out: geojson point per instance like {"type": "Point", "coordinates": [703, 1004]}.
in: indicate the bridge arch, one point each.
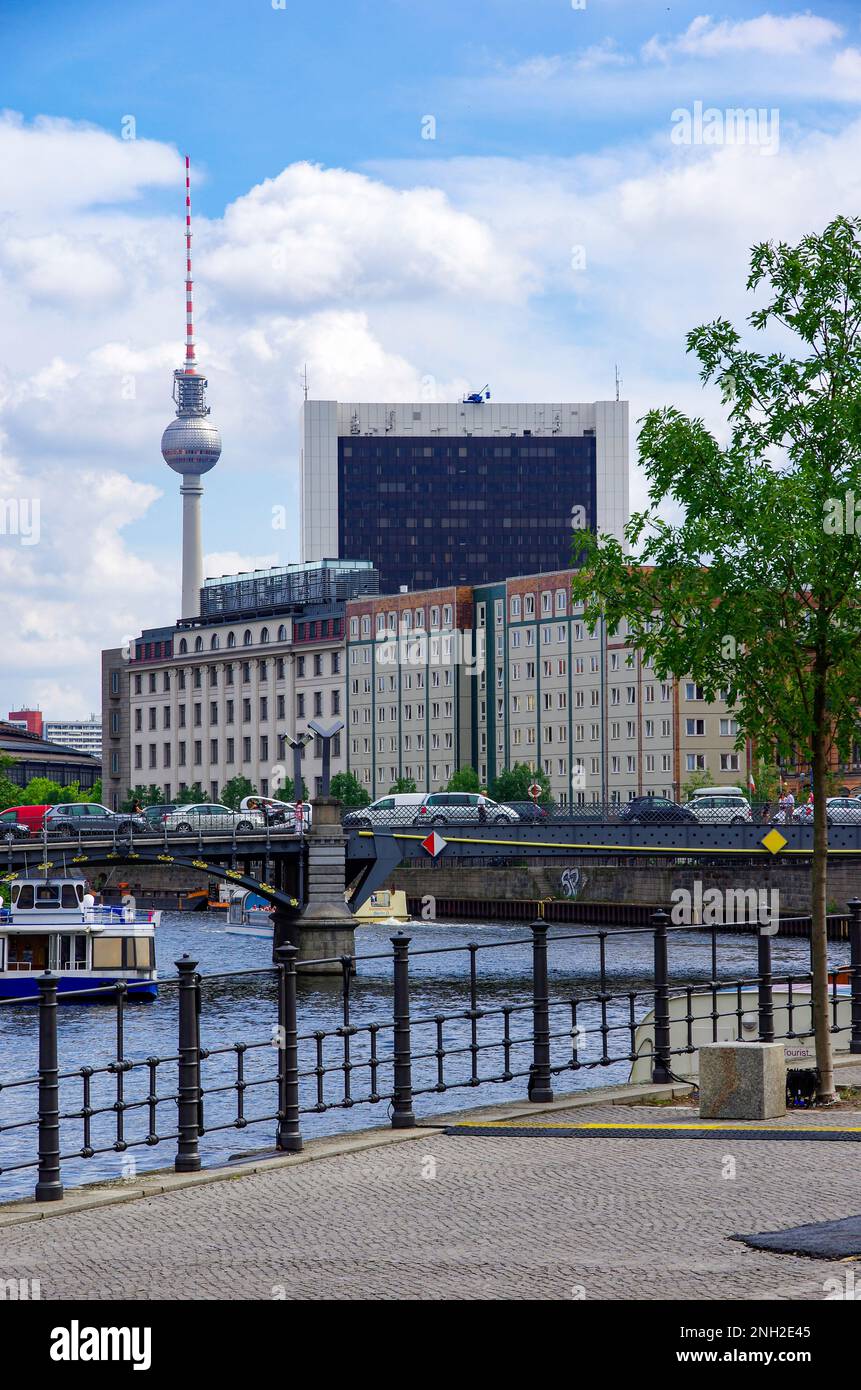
{"type": "Point", "coordinates": [68, 863]}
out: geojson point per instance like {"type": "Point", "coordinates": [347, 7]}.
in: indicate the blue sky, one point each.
{"type": "Point", "coordinates": [329, 231]}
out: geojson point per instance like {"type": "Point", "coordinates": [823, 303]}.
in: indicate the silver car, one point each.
{"type": "Point", "coordinates": [209, 816]}
{"type": "Point", "coordinates": [458, 808]}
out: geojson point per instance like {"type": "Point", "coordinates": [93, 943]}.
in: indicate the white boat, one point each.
{"type": "Point", "coordinates": [54, 924]}
{"type": "Point", "coordinates": [250, 915]}
{"type": "Point", "coordinates": [737, 1019]}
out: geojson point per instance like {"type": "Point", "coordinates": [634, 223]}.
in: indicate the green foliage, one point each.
{"type": "Point", "coordinates": [756, 590]}
{"type": "Point", "coordinates": [348, 789]}
{"type": "Point", "coordinates": [286, 793]}
{"type": "Point", "coordinates": [401, 786]}
{"type": "Point", "coordinates": [512, 784]}
{"type": "Point", "coordinates": [95, 792]}
{"type": "Point", "coordinates": [464, 780]}
{"type": "Point", "coordinates": [236, 790]}
{"type": "Point", "coordinates": [192, 794]}
{"type": "Point", "coordinates": [147, 796]}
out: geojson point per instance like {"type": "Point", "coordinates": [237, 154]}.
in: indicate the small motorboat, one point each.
{"type": "Point", "coordinates": [54, 924]}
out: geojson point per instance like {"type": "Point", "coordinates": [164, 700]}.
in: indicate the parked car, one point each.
{"type": "Point", "coordinates": [154, 814]}
{"type": "Point", "coordinates": [656, 810]}
{"type": "Point", "coordinates": [839, 810]}
{"type": "Point", "coordinates": [531, 811]}
{"type": "Point", "coordinates": [721, 809]}
{"type": "Point", "coordinates": [11, 828]}
{"type": "Point", "coordinates": [457, 808]}
{"type": "Point", "coordinates": [29, 818]}
{"type": "Point", "coordinates": [395, 809]}
{"type": "Point", "coordinates": [277, 812]}
{"type": "Point", "coordinates": [89, 818]}
{"type": "Point", "coordinates": [210, 816]}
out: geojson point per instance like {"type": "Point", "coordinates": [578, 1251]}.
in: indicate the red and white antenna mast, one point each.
{"type": "Point", "coordinates": [190, 360]}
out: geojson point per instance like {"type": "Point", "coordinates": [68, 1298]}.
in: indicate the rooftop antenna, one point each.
{"type": "Point", "coordinates": [190, 359]}
{"type": "Point", "coordinates": [305, 380]}
{"type": "Point", "coordinates": [618, 381]}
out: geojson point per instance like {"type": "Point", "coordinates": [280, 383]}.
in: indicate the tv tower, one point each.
{"type": "Point", "coordinates": [191, 444]}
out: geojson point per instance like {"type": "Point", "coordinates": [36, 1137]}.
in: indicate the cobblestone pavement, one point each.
{"type": "Point", "coordinates": [503, 1218]}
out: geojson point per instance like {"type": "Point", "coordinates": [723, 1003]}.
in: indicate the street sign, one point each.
{"type": "Point", "coordinates": [535, 791]}
{"type": "Point", "coordinates": [434, 844]}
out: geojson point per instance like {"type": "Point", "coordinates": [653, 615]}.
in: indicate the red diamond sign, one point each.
{"type": "Point", "coordinates": [434, 844]}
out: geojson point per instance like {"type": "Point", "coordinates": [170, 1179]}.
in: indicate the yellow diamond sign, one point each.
{"type": "Point", "coordinates": [774, 841]}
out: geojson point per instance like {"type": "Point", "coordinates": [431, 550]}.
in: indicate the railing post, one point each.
{"type": "Point", "coordinates": [402, 1114]}
{"type": "Point", "coordinates": [661, 1060]}
{"type": "Point", "coordinates": [49, 1187]}
{"type": "Point", "coordinates": [289, 1137]}
{"type": "Point", "coordinates": [766, 998]}
{"type": "Point", "coordinates": [855, 961]}
{"type": "Point", "coordinates": [187, 1152]}
{"type": "Point", "coordinates": [540, 1080]}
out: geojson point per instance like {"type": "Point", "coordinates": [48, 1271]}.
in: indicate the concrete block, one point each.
{"type": "Point", "coordinates": [742, 1081]}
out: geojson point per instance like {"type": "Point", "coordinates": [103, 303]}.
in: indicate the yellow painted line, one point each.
{"type": "Point", "coordinates": [616, 849]}
{"type": "Point", "coordinates": [711, 1124]}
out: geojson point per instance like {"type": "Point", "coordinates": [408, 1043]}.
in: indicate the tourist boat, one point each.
{"type": "Point", "coordinates": [54, 924]}
{"type": "Point", "coordinates": [388, 906]}
{"type": "Point", "coordinates": [737, 1011]}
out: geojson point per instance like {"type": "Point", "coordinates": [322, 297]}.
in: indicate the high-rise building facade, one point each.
{"type": "Point", "coordinates": [509, 673]}
{"type": "Point", "coordinates": [462, 493]}
{"type": "Point", "coordinates": [84, 735]}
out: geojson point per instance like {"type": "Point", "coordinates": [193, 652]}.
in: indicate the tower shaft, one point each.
{"type": "Point", "coordinates": [191, 492]}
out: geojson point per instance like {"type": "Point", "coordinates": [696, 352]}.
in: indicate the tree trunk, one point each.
{"type": "Point", "coordinates": [819, 923]}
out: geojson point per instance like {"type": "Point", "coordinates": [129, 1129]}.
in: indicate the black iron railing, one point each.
{"type": "Point", "coordinates": [554, 1026]}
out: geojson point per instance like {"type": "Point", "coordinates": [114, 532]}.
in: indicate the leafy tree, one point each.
{"type": "Point", "coordinates": [95, 792]}
{"type": "Point", "coordinates": [464, 780]}
{"type": "Point", "coordinates": [190, 796]}
{"type": "Point", "coordinates": [348, 789]}
{"type": "Point", "coordinates": [757, 590]}
{"type": "Point", "coordinates": [512, 784]}
{"type": "Point", "coordinates": [9, 793]}
{"type": "Point", "coordinates": [286, 793]}
{"type": "Point", "coordinates": [147, 796]}
{"type": "Point", "coordinates": [236, 790]}
{"type": "Point", "coordinates": [401, 786]}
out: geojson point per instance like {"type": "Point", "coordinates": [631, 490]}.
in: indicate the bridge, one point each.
{"type": "Point", "coordinates": [271, 862]}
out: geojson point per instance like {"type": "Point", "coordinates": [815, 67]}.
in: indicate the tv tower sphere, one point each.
{"type": "Point", "coordinates": [191, 445]}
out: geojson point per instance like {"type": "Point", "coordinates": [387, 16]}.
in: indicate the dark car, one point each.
{"type": "Point", "coordinates": [153, 814]}
{"type": "Point", "coordinates": [531, 811]}
{"type": "Point", "coordinates": [88, 818]}
{"type": "Point", "coordinates": [656, 810]}
{"type": "Point", "coordinates": [11, 828]}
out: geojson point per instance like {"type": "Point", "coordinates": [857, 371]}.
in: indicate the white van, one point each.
{"type": "Point", "coordinates": [396, 809]}
{"type": "Point", "coordinates": [717, 791]}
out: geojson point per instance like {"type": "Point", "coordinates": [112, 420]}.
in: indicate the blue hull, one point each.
{"type": "Point", "coordinates": [26, 988]}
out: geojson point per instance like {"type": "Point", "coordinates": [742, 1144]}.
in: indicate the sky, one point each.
{"type": "Point", "coordinates": [409, 198]}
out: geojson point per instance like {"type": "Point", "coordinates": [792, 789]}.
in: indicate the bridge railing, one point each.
{"type": "Point", "coordinates": [594, 811]}
{"type": "Point", "coordinates": [428, 1035]}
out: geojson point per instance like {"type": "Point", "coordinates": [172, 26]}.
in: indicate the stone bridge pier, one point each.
{"type": "Point", "coordinates": [326, 926]}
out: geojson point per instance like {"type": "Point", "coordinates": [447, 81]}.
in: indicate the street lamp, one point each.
{"type": "Point", "coordinates": [326, 733]}
{"type": "Point", "coordinates": [298, 742]}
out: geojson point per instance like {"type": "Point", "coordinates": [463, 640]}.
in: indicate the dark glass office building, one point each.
{"type": "Point", "coordinates": [462, 493]}
{"type": "Point", "coordinates": [428, 511]}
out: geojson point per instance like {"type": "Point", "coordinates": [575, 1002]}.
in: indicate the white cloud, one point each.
{"type": "Point", "coordinates": [775, 35]}
{"type": "Point", "coordinates": [233, 562]}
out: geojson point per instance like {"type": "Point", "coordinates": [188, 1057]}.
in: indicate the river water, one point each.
{"type": "Point", "coordinates": [242, 1009]}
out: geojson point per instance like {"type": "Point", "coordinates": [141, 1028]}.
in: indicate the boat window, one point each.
{"type": "Point", "coordinates": [72, 953]}
{"type": "Point", "coordinates": [48, 894]}
{"type": "Point", "coordinates": [140, 954]}
{"type": "Point", "coordinates": [25, 897]}
{"type": "Point", "coordinates": [107, 953]}
{"type": "Point", "coordinates": [69, 896]}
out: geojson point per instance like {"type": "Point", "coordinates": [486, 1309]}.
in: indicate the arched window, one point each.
{"type": "Point", "coordinates": [264, 634]}
{"type": "Point", "coordinates": [214, 644]}
{"type": "Point", "coordinates": [231, 639]}
{"type": "Point", "coordinates": [183, 646]}
{"type": "Point", "coordinates": [282, 633]}
{"type": "Point", "coordinates": [247, 639]}
{"type": "Point", "coordinates": [198, 644]}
